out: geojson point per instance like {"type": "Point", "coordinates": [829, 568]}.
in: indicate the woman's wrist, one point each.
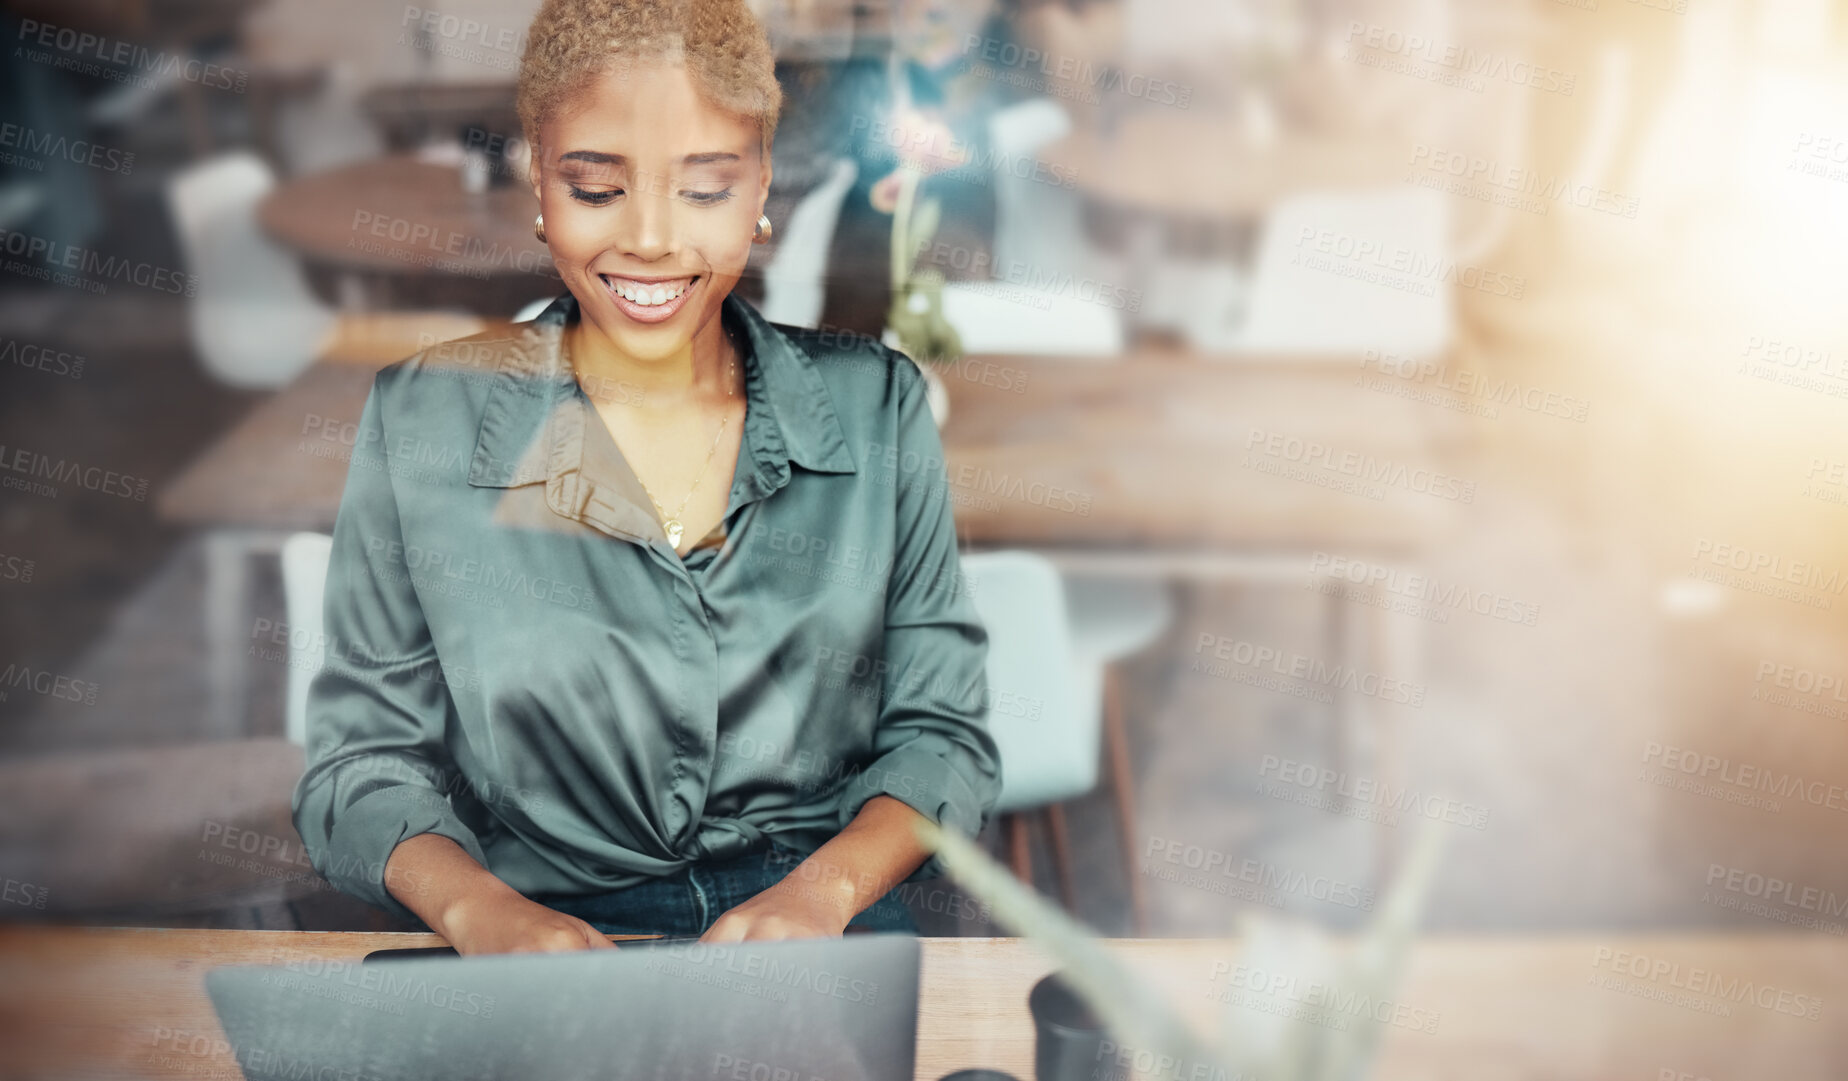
{"type": "Point", "coordinates": [876, 852]}
{"type": "Point", "coordinates": [437, 880]}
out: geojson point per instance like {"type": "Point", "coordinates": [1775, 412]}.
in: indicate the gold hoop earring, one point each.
{"type": "Point", "coordinates": [764, 230]}
{"type": "Point", "coordinates": [539, 228]}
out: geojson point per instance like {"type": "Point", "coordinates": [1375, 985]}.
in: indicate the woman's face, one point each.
{"type": "Point", "coordinates": [649, 192]}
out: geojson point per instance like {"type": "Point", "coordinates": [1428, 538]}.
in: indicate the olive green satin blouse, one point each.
{"type": "Point", "coordinates": [518, 660]}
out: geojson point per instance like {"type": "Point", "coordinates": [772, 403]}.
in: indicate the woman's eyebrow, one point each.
{"type": "Point", "coordinates": [598, 157]}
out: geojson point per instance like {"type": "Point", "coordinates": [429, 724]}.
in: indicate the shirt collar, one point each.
{"type": "Point", "coordinates": [533, 429]}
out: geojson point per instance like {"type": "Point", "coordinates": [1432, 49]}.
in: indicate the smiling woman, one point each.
{"type": "Point", "coordinates": [686, 479]}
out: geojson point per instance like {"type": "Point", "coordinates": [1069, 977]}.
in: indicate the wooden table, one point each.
{"type": "Point", "coordinates": [1173, 164]}
{"type": "Point", "coordinates": [126, 1003]}
{"type": "Point", "coordinates": [1143, 453]}
{"type": "Point", "coordinates": [403, 215]}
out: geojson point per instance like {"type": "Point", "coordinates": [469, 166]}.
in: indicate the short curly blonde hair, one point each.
{"type": "Point", "coordinates": [721, 43]}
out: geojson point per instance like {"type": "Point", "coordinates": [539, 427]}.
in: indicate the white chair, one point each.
{"type": "Point", "coordinates": [1299, 307]}
{"type": "Point", "coordinates": [795, 281]}
{"type": "Point", "coordinates": [254, 320]}
{"type": "Point", "coordinates": [1038, 235]}
{"type": "Point", "coordinates": [999, 317]}
{"type": "Point", "coordinates": [304, 589]}
{"type": "Point", "coordinates": [1052, 711]}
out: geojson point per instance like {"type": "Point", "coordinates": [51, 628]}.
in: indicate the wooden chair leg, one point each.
{"type": "Point", "coordinates": [1019, 854]}
{"type": "Point", "coordinates": [1123, 785]}
{"type": "Point", "coordinates": [1061, 854]}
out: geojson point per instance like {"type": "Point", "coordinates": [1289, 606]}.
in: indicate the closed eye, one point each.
{"type": "Point", "coordinates": [593, 198]}
{"type": "Point", "coordinates": [706, 198]}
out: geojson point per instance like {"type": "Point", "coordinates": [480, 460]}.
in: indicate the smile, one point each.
{"type": "Point", "coordinates": [648, 301]}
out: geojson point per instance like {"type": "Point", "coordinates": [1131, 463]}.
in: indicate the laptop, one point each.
{"type": "Point", "coordinates": [827, 1009]}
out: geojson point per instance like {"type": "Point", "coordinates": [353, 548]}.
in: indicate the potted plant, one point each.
{"type": "Point", "coordinates": [1248, 1043]}
{"type": "Point", "coordinates": [915, 324]}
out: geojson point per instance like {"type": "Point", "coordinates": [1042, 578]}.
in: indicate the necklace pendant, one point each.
{"type": "Point", "coordinates": [674, 530]}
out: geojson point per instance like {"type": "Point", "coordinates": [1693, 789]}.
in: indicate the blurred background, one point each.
{"type": "Point", "coordinates": [1433, 412]}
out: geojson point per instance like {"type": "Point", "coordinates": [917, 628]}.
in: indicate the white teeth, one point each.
{"type": "Point", "coordinates": [649, 296]}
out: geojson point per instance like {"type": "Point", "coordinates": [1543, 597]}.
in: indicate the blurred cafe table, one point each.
{"type": "Point", "coordinates": [131, 1003]}
{"type": "Point", "coordinates": [368, 231]}
{"type": "Point", "coordinates": [1189, 167]}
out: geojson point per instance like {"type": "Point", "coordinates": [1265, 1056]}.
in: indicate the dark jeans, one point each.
{"type": "Point", "coordinates": [689, 900]}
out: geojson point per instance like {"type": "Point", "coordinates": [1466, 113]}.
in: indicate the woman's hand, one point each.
{"type": "Point", "coordinates": [502, 921]}
{"type": "Point", "coordinates": [838, 881]}
{"type": "Point", "coordinates": [792, 908]}
{"type": "Point", "coordinates": [476, 912]}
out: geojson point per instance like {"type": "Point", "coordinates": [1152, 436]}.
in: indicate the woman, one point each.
{"type": "Point", "coordinates": [645, 616]}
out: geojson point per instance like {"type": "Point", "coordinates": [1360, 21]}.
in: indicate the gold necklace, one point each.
{"type": "Point", "coordinates": [671, 524]}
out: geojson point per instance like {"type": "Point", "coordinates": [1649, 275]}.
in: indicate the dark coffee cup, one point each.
{"type": "Point", "coordinates": [1068, 1037]}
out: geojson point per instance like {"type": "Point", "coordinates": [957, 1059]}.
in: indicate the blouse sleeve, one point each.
{"type": "Point", "coordinates": [934, 751]}
{"type": "Point", "coordinates": [378, 772]}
